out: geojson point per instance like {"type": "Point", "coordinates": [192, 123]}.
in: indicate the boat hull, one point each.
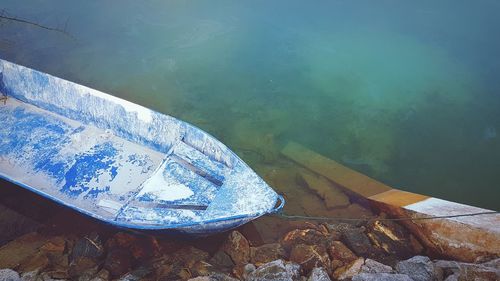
{"type": "Point", "coordinates": [119, 162]}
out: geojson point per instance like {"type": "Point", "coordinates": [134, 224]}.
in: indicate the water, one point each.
{"type": "Point", "coordinates": [406, 92]}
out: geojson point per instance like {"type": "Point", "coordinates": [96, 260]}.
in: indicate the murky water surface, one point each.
{"type": "Point", "coordinates": [406, 92]}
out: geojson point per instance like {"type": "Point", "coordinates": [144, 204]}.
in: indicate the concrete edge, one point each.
{"type": "Point", "coordinates": [467, 239]}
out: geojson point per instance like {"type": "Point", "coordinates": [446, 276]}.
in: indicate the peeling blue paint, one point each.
{"type": "Point", "coordinates": [119, 162]}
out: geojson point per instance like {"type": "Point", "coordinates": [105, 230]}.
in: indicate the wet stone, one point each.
{"type": "Point", "coordinates": [9, 275]}
{"type": "Point", "coordinates": [14, 224]}
{"type": "Point", "coordinates": [349, 270]}
{"type": "Point", "coordinates": [266, 253]}
{"type": "Point", "coordinates": [102, 275]}
{"type": "Point", "coordinates": [202, 268]}
{"type": "Point", "coordinates": [318, 274]}
{"type": "Point", "coordinates": [358, 242]}
{"type": "Point", "coordinates": [38, 262]}
{"type": "Point", "coordinates": [135, 275]}
{"type": "Point", "coordinates": [381, 277]}
{"type": "Point", "coordinates": [372, 266]}
{"type": "Point", "coordinates": [237, 247]}
{"type": "Point", "coordinates": [118, 261]}
{"type": "Point", "coordinates": [214, 277]}
{"type": "Point", "coordinates": [309, 257]}
{"type": "Point", "coordinates": [339, 252]}
{"type": "Point", "coordinates": [419, 268]}
{"type": "Point", "coordinates": [16, 251]}
{"type": "Point", "coordinates": [80, 265]}
{"type": "Point", "coordinates": [89, 246]}
{"type": "Point", "coordinates": [304, 236]}
{"type": "Point", "coordinates": [391, 238]}
{"type": "Point", "coordinates": [276, 270]}
{"type": "Point", "coordinates": [221, 260]}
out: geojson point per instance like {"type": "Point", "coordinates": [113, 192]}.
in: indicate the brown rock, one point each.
{"type": "Point", "coordinates": [89, 246]}
{"type": "Point", "coordinates": [16, 251]}
{"type": "Point", "coordinates": [237, 247]}
{"type": "Point", "coordinates": [340, 254]}
{"type": "Point", "coordinates": [144, 248]}
{"type": "Point", "coordinates": [37, 262]}
{"type": "Point", "coordinates": [102, 275]}
{"type": "Point", "coordinates": [201, 268]}
{"type": "Point", "coordinates": [121, 240]}
{"type": "Point", "coordinates": [348, 271]}
{"type": "Point", "coordinates": [221, 260]}
{"type": "Point", "coordinates": [188, 256]}
{"type": "Point", "coordinates": [391, 238]}
{"type": "Point", "coordinates": [309, 257]}
{"type": "Point", "coordinates": [118, 261]}
{"type": "Point", "coordinates": [304, 236]}
{"type": "Point", "coordinates": [266, 253]}
{"type": "Point", "coordinates": [59, 274]}
{"type": "Point", "coordinates": [80, 265]}
{"type": "Point", "coordinates": [358, 242]}
{"type": "Point", "coordinates": [55, 246]}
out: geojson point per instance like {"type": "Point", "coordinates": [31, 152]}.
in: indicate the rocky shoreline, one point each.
{"type": "Point", "coordinates": [378, 250]}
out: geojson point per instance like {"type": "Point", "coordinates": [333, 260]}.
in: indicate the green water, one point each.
{"type": "Point", "coordinates": [407, 92]}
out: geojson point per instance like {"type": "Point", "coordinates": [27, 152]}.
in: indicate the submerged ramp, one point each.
{"type": "Point", "coordinates": [462, 238]}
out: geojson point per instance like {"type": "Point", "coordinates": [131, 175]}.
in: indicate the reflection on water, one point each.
{"type": "Point", "coordinates": [404, 92]}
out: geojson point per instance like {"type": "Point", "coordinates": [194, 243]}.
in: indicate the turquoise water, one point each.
{"type": "Point", "coordinates": [407, 92]}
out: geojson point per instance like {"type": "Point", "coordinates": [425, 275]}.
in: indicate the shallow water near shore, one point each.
{"type": "Point", "coordinates": [404, 92]}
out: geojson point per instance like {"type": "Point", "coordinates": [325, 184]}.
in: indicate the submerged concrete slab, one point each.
{"type": "Point", "coordinates": [468, 238]}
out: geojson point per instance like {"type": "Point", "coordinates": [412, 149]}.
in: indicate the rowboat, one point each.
{"type": "Point", "coordinates": [119, 162]}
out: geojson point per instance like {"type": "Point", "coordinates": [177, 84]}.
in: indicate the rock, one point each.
{"type": "Point", "coordinates": [419, 268]}
{"type": "Point", "coordinates": [140, 246]}
{"type": "Point", "coordinates": [214, 277]}
{"type": "Point", "coordinates": [481, 274]}
{"type": "Point", "coordinates": [221, 260]}
{"type": "Point", "coordinates": [453, 277]}
{"type": "Point", "coordinates": [13, 224]}
{"type": "Point", "coordinates": [237, 247]}
{"type": "Point", "coordinates": [249, 268]}
{"type": "Point", "coordinates": [80, 265]}
{"type": "Point", "coordinates": [372, 266]}
{"type": "Point", "coordinates": [16, 251]}
{"type": "Point", "coordinates": [9, 275]}
{"type": "Point", "coordinates": [304, 236]}
{"type": "Point", "coordinates": [391, 238]}
{"type": "Point", "coordinates": [266, 253]}
{"type": "Point", "coordinates": [118, 261]}
{"type": "Point", "coordinates": [492, 263]}
{"type": "Point", "coordinates": [274, 271]}
{"type": "Point", "coordinates": [358, 242]}
{"type": "Point", "coordinates": [201, 268]}
{"type": "Point", "coordinates": [89, 246]}
{"type": "Point", "coordinates": [381, 277]}
{"type": "Point", "coordinates": [189, 256]}
{"type": "Point", "coordinates": [37, 262]}
{"type": "Point", "coordinates": [349, 270]}
{"type": "Point", "coordinates": [30, 276]}
{"type": "Point", "coordinates": [329, 192]}
{"type": "Point", "coordinates": [309, 257]}
{"type": "Point", "coordinates": [55, 246]}
{"type": "Point", "coordinates": [318, 274]}
{"type": "Point", "coordinates": [59, 274]}
{"type": "Point", "coordinates": [135, 275]}
{"type": "Point", "coordinates": [121, 240]}
{"type": "Point", "coordinates": [86, 275]}
{"type": "Point", "coordinates": [102, 275]}
{"type": "Point", "coordinates": [468, 271]}
{"type": "Point", "coordinates": [340, 253]}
